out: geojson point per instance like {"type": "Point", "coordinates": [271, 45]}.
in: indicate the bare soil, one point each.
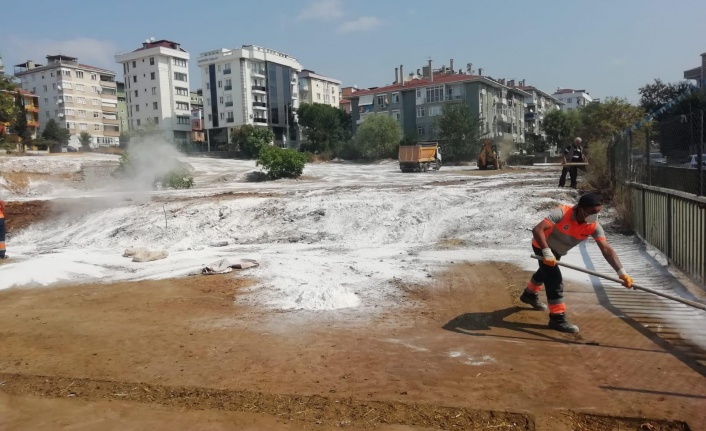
{"type": "Point", "coordinates": [462, 353]}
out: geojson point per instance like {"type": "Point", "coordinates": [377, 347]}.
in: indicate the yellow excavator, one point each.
{"type": "Point", "coordinates": [489, 158]}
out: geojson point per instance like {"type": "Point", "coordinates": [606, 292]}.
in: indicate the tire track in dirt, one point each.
{"type": "Point", "coordinates": [310, 410]}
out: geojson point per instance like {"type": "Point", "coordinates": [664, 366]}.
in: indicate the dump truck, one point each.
{"type": "Point", "coordinates": [489, 158]}
{"type": "Point", "coordinates": [420, 157]}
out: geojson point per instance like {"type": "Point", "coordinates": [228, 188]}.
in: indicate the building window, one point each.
{"type": "Point", "coordinates": [395, 97]}
{"type": "Point", "coordinates": [435, 94]}
{"type": "Point", "coordinates": [152, 76]}
{"type": "Point", "coordinates": [81, 113]}
{"type": "Point", "coordinates": [182, 91]}
{"type": "Point", "coordinates": [219, 84]}
{"type": "Point", "coordinates": [221, 115]}
{"type": "Point", "coordinates": [96, 114]}
{"type": "Point", "coordinates": [228, 84]}
{"type": "Point", "coordinates": [79, 74]}
{"type": "Point", "coordinates": [95, 101]}
{"type": "Point", "coordinates": [136, 93]}
{"type": "Point", "coordinates": [137, 108]}
{"type": "Point", "coordinates": [154, 90]}
{"type": "Point", "coordinates": [182, 105]}
{"type": "Point", "coordinates": [138, 120]}
{"type": "Point", "coordinates": [179, 62]}
{"type": "Point", "coordinates": [184, 120]}
{"type": "Point", "coordinates": [45, 88]}
{"type": "Point", "coordinates": [134, 64]}
{"type": "Point", "coordinates": [210, 118]}
{"type": "Point", "coordinates": [83, 126]}
{"type": "Point", "coordinates": [155, 105]}
{"type": "Point", "coordinates": [420, 130]}
{"type": "Point", "coordinates": [396, 115]}
{"type": "Point", "coordinates": [178, 76]}
{"type": "Point", "coordinates": [220, 100]}
{"type": "Point", "coordinates": [134, 78]}
{"type": "Point", "coordinates": [46, 114]}
{"type": "Point", "coordinates": [81, 100]}
{"type": "Point", "coordinates": [420, 112]}
{"type": "Point", "coordinates": [96, 126]}
{"type": "Point", "coordinates": [229, 115]}
{"type": "Point", "coordinates": [381, 100]}
{"type": "Point", "coordinates": [432, 130]}
{"type": "Point", "coordinates": [156, 120]}
{"type": "Point", "coordinates": [434, 111]}
{"type": "Point", "coordinates": [151, 61]}
{"type": "Point", "coordinates": [419, 93]}
{"type": "Point", "coordinates": [94, 77]}
{"type": "Point", "coordinates": [318, 96]}
{"type": "Point", "coordinates": [568, 100]}
{"type": "Point", "coordinates": [208, 86]}
{"type": "Point", "coordinates": [226, 68]}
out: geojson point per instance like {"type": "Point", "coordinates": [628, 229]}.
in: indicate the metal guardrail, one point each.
{"type": "Point", "coordinates": [675, 223]}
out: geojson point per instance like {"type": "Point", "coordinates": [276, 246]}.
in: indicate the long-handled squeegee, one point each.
{"type": "Point", "coordinates": [634, 286]}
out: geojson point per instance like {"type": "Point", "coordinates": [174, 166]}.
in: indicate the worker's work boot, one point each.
{"type": "Point", "coordinates": [559, 323]}
{"type": "Point", "coordinates": [533, 300]}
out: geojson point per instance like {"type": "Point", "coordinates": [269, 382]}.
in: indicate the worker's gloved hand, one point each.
{"type": "Point", "coordinates": [627, 280]}
{"type": "Point", "coordinates": [548, 256]}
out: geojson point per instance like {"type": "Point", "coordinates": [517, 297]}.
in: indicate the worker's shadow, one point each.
{"type": "Point", "coordinates": [476, 324]}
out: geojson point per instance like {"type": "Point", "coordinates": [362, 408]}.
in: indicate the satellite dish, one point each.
{"type": "Point", "coordinates": [152, 39]}
{"type": "Point", "coordinates": [147, 40]}
{"type": "Point", "coordinates": [58, 87]}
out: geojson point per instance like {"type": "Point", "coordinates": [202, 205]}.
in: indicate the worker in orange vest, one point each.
{"type": "Point", "coordinates": [563, 229]}
{"type": "Point", "coordinates": [2, 230]}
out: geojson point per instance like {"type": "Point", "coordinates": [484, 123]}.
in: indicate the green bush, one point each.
{"type": "Point", "coordinates": [178, 178]}
{"type": "Point", "coordinates": [281, 163]}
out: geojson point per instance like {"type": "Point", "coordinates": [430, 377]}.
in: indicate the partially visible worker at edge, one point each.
{"type": "Point", "coordinates": [563, 229]}
{"type": "Point", "coordinates": [2, 230]}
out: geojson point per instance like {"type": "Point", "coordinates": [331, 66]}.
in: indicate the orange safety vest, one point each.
{"type": "Point", "coordinates": [568, 232]}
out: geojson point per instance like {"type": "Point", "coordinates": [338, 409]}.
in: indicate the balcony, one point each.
{"type": "Point", "coordinates": [453, 97]}
{"type": "Point", "coordinates": [260, 120]}
{"type": "Point", "coordinates": [259, 88]}
{"type": "Point", "coordinates": [259, 105]}
{"type": "Point", "coordinates": [32, 123]}
{"type": "Point", "coordinates": [229, 103]}
{"type": "Point", "coordinates": [257, 72]}
{"type": "Point", "coordinates": [230, 120]}
{"type": "Point", "coordinates": [32, 108]}
{"type": "Point", "coordinates": [226, 71]}
{"type": "Point", "coordinates": [228, 87]}
{"type": "Point", "coordinates": [530, 116]}
{"type": "Point", "coordinates": [111, 121]}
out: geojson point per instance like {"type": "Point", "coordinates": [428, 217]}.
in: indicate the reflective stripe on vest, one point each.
{"type": "Point", "coordinates": [568, 233]}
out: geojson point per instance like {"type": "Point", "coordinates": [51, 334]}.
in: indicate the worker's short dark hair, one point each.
{"type": "Point", "coordinates": [590, 200]}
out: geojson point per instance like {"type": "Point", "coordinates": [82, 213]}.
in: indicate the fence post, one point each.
{"type": "Point", "coordinates": [647, 157]}
{"type": "Point", "coordinates": [669, 228]}
{"type": "Point", "coordinates": [699, 156]}
{"type": "Point", "coordinates": [644, 216]}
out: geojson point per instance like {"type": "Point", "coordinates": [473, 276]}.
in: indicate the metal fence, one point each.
{"type": "Point", "coordinates": [668, 154]}
{"type": "Point", "coordinates": [663, 168]}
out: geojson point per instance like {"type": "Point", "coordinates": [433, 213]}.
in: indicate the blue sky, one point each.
{"type": "Point", "coordinates": [609, 48]}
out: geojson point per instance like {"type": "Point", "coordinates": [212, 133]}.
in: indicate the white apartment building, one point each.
{"type": "Point", "coordinates": [157, 88]}
{"type": "Point", "coordinates": [250, 85]}
{"type": "Point", "coordinates": [315, 88]}
{"type": "Point", "coordinates": [572, 99]}
{"type": "Point", "coordinates": [79, 97]}
{"type": "Point", "coordinates": [537, 105]}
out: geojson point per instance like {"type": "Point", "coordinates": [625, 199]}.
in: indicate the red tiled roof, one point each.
{"type": "Point", "coordinates": [21, 91]}
{"type": "Point", "coordinates": [441, 78]}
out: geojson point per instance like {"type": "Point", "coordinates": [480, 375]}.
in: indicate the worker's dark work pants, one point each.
{"type": "Point", "coordinates": [2, 237]}
{"type": "Point", "coordinates": [573, 173]}
{"type": "Point", "coordinates": [551, 277]}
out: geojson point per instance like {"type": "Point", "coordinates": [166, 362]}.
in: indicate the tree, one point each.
{"type": "Point", "coordinates": [378, 137]}
{"type": "Point", "coordinates": [602, 121]}
{"type": "Point", "coordinates": [85, 139]}
{"type": "Point", "coordinates": [239, 135]}
{"type": "Point", "coordinates": [58, 136]}
{"type": "Point", "coordinates": [260, 137]}
{"type": "Point", "coordinates": [459, 132]}
{"type": "Point", "coordinates": [658, 94]}
{"type": "Point", "coordinates": [325, 127]}
{"type": "Point", "coordinates": [561, 127]}
{"type": "Point", "coordinates": [21, 125]}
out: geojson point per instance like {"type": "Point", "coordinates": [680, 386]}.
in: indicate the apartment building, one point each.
{"type": "Point", "coordinates": [537, 105]}
{"type": "Point", "coordinates": [31, 104]}
{"type": "Point", "coordinates": [77, 96]}
{"type": "Point", "coordinates": [315, 88]}
{"type": "Point", "coordinates": [122, 106]}
{"type": "Point", "coordinates": [157, 89]}
{"type": "Point", "coordinates": [345, 101]}
{"type": "Point", "coordinates": [572, 99]}
{"type": "Point", "coordinates": [416, 101]}
{"type": "Point", "coordinates": [250, 85]}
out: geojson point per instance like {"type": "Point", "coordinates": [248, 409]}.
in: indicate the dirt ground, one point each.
{"type": "Point", "coordinates": [462, 353]}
